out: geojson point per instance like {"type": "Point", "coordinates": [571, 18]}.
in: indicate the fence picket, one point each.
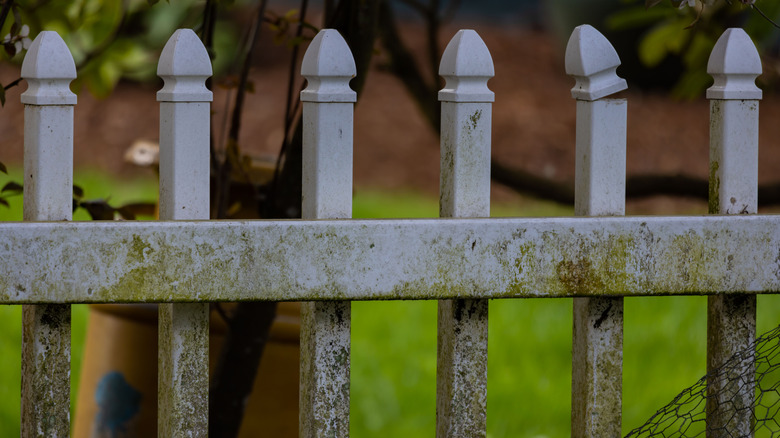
{"type": "Point", "coordinates": [48, 188]}
{"type": "Point", "coordinates": [600, 178]}
{"type": "Point", "coordinates": [466, 115]}
{"type": "Point", "coordinates": [328, 105]}
{"type": "Point", "coordinates": [184, 194]}
{"type": "Point", "coordinates": [731, 319]}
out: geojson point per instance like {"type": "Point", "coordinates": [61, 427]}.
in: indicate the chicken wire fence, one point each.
{"type": "Point", "coordinates": [685, 415]}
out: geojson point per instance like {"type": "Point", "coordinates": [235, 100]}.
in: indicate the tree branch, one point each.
{"type": "Point", "coordinates": [231, 149]}
{"type": "Point", "coordinates": [403, 65]}
{"type": "Point", "coordinates": [13, 83]}
{"type": "Point", "coordinates": [247, 335]}
{"type": "Point", "coordinates": [637, 186]}
{"type": "Point", "coordinates": [249, 328]}
{"type": "Point", "coordinates": [432, 27]}
{"type": "Point", "coordinates": [7, 5]}
{"type": "Point", "coordinates": [293, 101]}
{"type": "Point", "coordinates": [529, 184]}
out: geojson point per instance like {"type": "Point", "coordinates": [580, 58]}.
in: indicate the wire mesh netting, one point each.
{"type": "Point", "coordinates": [722, 392]}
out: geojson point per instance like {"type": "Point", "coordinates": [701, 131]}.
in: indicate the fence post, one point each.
{"type": "Point", "coordinates": [184, 194]}
{"type": "Point", "coordinates": [328, 104]}
{"type": "Point", "coordinates": [731, 319]}
{"type": "Point", "coordinates": [600, 181]}
{"type": "Point", "coordinates": [48, 196]}
{"type": "Point", "coordinates": [466, 105]}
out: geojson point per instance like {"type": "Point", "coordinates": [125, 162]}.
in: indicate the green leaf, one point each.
{"type": "Point", "coordinates": [698, 52]}
{"type": "Point", "coordinates": [664, 39]}
{"type": "Point", "coordinates": [98, 210]}
{"type": "Point", "coordinates": [296, 41]}
{"type": "Point", "coordinates": [3, 168]}
{"type": "Point", "coordinates": [638, 17]}
{"type": "Point", "coordinates": [692, 84]}
{"type": "Point", "coordinates": [17, 19]}
{"type": "Point", "coordinates": [11, 187]}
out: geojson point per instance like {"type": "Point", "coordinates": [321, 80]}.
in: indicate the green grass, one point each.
{"type": "Point", "coordinates": [394, 343]}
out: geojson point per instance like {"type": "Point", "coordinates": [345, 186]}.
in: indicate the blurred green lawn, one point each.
{"type": "Point", "coordinates": [394, 342]}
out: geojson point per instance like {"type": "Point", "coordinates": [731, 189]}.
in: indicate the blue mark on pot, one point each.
{"type": "Point", "coordinates": [118, 403]}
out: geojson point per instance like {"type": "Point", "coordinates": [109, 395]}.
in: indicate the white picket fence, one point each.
{"type": "Point", "coordinates": [186, 261]}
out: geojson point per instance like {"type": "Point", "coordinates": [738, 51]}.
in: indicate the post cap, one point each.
{"type": "Point", "coordinates": [184, 66]}
{"type": "Point", "coordinates": [734, 65]}
{"type": "Point", "coordinates": [328, 66]}
{"type": "Point", "coordinates": [593, 62]}
{"type": "Point", "coordinates": [466, 66]}
{"type": "Point", "coordinates": [48, 68]}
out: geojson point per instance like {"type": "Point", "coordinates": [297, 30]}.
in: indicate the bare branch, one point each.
{"type": "Point", "coordinates": [416, 5]}
{"type": "Point", "coordinates": [12, 84]}
{"type": "Point", "coordinates": [637, 186]}
{"type": "Point", "coordinates": [753, 6]}
{"type": "Point", "coordinates": [7, 5]}
{"type": "Point", "coordinates": [231, 149]}
{"type": "Point", "coordinates": [403, 65]}
{"type": "Point", "coordinates": [433, 24]}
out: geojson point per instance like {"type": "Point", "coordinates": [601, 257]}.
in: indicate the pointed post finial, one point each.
{"type": "Point", "coordinates": [48, 68]}
{"type": "Point", "coordinates": [734, 65]}
{"type": "Point", "coordinates": [184, 66]}
{"type": "Point", "coordinates": [328, 66]}
{"type": "Point", "coordinates": [593, 62]}
{"type": "Point", "coordinates": [466, 66]}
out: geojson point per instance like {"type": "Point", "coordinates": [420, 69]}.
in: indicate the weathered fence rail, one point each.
{"type": "Point", "coordinates": [329, 260]}
{"type": "Point", "coordinates": [87, 262]}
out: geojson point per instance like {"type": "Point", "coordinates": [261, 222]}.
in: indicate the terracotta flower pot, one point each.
{"type": "Point", "coordinates": [118, 390]}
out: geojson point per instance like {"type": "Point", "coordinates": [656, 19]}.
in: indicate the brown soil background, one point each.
{"type": "Point", "coordinates": [533, 123]}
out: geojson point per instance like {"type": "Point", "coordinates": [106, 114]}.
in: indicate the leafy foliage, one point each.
{"type": "Point", "coordinates": [102, 210]}
{"type": "Point", "coordinates": [109, 39]}
{"type": "Point", "coordinates": [10, 189]}
{"type": "Point", "coordinates": [98, 209]}
{"type": "Point", "coordinates": [283, 25]}
{"type": "Point", "coordinates": [688, 29]}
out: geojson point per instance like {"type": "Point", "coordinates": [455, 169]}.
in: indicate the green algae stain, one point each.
{"type": "Point", "coordinates": [138, 249]}
{"type": "Point", "coordinates": [49, 371]}
{"type": "Point", "coordinates": [525, 266]}
{"type": "Point", "coordinates": [620, 248]}
{"type": "Point", "coordinates": [578, 277]}
{"type": "Point", "coordinates": [183, 398]}
{"type": "Point", "coordinates": [714, 199]}
{"type": "Point", "coordinates": [474, 119]}
{"type": "Point", "coordinates": [597, 270]}
{"type": "Point", "coordinates": [694, 262]}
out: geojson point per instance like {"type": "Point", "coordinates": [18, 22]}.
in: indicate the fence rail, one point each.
{"type": "Point", "coordinates": [86, 262]}
{"type": "Point", "coordinates": [328, 260]}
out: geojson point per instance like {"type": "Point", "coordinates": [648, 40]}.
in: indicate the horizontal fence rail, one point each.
{"type": "Point", "coordinates": [388, 259]}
